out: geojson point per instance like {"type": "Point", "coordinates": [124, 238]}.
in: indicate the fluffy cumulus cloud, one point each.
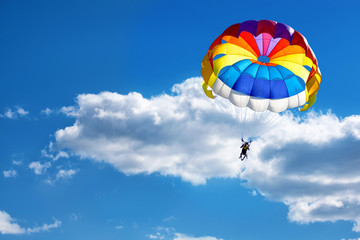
{"type": "Point", "coordinates": [8, 225]}
{"type": "Point", "coordinates": [177, 135]}
{"type": "Point", "coordinates": [310, 164]}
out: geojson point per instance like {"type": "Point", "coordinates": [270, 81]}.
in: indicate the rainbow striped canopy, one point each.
{"type": "Point", "coordinates": [263, 65]}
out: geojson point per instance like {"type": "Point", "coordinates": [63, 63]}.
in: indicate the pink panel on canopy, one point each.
{"type": "Point", "coordinates": [266, 40]}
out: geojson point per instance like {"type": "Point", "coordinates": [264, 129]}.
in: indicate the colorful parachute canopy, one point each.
{"type": "Point", "coordinates": [263, 65]}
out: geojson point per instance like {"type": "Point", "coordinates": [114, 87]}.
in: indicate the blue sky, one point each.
{"type": "Point", "coordinates": [105, 132]}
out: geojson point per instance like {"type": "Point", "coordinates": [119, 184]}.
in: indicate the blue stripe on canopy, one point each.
{"type": "Point", "coordinates": [251, 70]}
{"type": "Point", "coordinates": [244, 84]}
{"type": "Point", "coordinates": [269, 82]}
{"type": "Point", "coordinates": [230, 76]}
{"type": "Point", "coordinates": [294, 86]}
{"type": "Point", "coordinates": [278, 89]}
{"type": "Point", "coordinates": [242, 65]}
{"type": "Point", "coordinates": [285, 73]}
{"type": "Point", "coordinates": [275, 74]}
{"type": "Point", "coordinates": [261, 88]}
{"type": "Point", "coordinates": [263, 73]}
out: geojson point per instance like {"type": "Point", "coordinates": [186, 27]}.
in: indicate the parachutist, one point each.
{"type": "Point", "coordinates": [245, 147]}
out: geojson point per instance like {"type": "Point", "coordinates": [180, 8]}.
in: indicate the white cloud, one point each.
{"type": "Point", "coordinates": [173, 135]}
{"type": "Point", "coordinates": [168, 219]}
{"type": "Point", "coordinates": [74, 216]}
{"type": "Point", "coordinates": [10, 114]}
{"type": "Point", "coordinates": [180, 236]}
{"type": "Point", "coordinates": [59, 154]}
{"type": "Point", "coordinates": [39, 168]}
{"type": "Point", "coordinates": [61, 175]}
{"type": "Point", "coordinates": [10, 173]}
{"type": "Point", "coordinates": [162, 233]}
{"type": "Point", "coordinates": [14, 113]}
{"type": "Point", "coordinates": [21, 111]}
{"type": "Point", "coordinates": [312, 165]}
{"type": "Point", "coordinates": [17, 162]}
{"type": "Point", "coordinates": [119, 227]}
{"type": "Point", "coordinates": [153, 236]}
{"type": "Point", "coordinates": [47, 111]}
{"type": "Point", "coordinates": [69, 111]}
{"type": "Point", "coordinates": [17, 159]}
{"type": "Point", "coordinates": [168, 233]}
{"type": "Point", "coordinates": [65, 174]}
{"type": "Point", "coordinates": [9, 226]}
{"type": "Point", "coordinates": [45, 227]}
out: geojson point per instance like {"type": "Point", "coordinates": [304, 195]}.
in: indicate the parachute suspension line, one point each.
{"type": "Point", "coordinates": [286, 115]}
{"type": "Point", "coordinates": [262, 119]}
{"type": "Point", "coordinates": [239, 117]}
{"type": "Point", "coordinates": [264, 123]}
{"type": "Point", "coordinates": [260, 126]}
{"type": "Point", "coordinates": [243, 123]}
{"type": "Point", "coordinates": [282, 120]}
{"type": "Point", "coordinates": [251, 121]}
{"type": "Point", "coordinates": [254, 124]}
{"type": "Point", "coordinates": [278, 120]}
{"type": "Point", "coordinates": [270, 122]}
{"type": "Point", "coordinates": [224, 105]}
{"type": "Point", "coordinates": [261, 123]}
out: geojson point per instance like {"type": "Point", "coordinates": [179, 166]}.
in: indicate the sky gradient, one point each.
{"type": "Point", "coordinates": [106, 133]}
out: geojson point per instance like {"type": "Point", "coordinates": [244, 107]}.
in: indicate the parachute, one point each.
{"type": "Point", "coordinates": [264, 66]}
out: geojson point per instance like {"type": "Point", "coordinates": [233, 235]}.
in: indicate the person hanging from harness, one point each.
{"type": "Point", "coordinates": [245, 147]}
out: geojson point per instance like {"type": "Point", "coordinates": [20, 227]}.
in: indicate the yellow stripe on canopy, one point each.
{"type": "Point", "coordinates": [300, 59]}
{"type": "Point", "coordinates": [206, 91]}
{"type": "Point", "coordinates": [309, 104]}
{"type": "Point", "coordinates": [231, 49]}
{"type": "Point", "coordinates": [312, 88]}
{"type": "Point", "coordinates": [226, 60]}
{"type": "Point", "coordinates": [208, 76]}
{"type": "Point", "coordinates": [296, 68]}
